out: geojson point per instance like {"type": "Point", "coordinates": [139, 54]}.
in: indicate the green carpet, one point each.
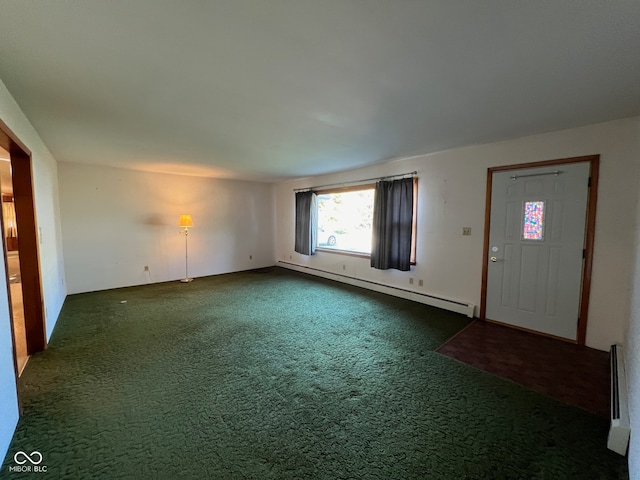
{"type": "Point", "coordinates": [279, 375]}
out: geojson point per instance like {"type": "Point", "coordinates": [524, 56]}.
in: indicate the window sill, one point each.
{"type": "Point", "coordinates": [347, 253]}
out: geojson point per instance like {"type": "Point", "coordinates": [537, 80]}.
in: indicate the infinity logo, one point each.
{"type": "Point", "coordinates": [31, 458]}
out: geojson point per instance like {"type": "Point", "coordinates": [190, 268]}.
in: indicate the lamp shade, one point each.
{"type": "Point", "coordinates": [185, 221]}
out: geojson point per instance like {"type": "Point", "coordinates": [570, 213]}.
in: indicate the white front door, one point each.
{"type": "Point", "coordinates": [536, 247]}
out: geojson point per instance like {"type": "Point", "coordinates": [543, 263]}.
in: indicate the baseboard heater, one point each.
{"type": "Point", "coordinates": [620, 429]}
{"type": "Point", "coordinates": [433, 300]}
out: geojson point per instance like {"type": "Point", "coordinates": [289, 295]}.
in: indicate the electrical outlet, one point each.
{"type": "Point", "coordinates": [420, 283]}
{"type": "Point", "coordinates": [466, 230]}
{"type": "Point", "coordinates": [411, 281]}
{"type": "Point", "coordinates": [146, 268]}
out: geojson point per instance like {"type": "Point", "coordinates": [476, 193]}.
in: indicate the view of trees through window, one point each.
{"type": "Point", "coordinates": [345, 219]}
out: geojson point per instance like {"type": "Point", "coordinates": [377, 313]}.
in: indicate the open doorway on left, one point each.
{"type": "Point", "coordinates": [12, 261]}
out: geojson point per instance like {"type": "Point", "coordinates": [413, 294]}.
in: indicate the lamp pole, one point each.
{"type": "Point", "coordinates": [185, 222]}
{"type": "Point", "coordinates": [186, 279]}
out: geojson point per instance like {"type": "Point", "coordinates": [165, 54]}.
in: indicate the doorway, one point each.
{"type": "Point", "coordinates": [539, 227]}
{"type": "Point", "coordinates": [12, 261]}
{"type": "Point", "coordinates": [20, 249]}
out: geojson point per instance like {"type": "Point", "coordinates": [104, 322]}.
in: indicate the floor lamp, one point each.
{"type": "Point", "coordinates": [186, 222]}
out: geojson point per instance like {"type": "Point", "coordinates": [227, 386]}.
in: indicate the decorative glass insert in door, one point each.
{"type": "Point", "coordinates": [533, 228]}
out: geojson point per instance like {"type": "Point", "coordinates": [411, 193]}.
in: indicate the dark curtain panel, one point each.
{"type": "Point", "coordinates": [392, 225]}
{"type": "Point", "coordinates": [306, 222]}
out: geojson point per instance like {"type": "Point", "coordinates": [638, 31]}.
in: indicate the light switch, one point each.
{"type": "Point", "coordinates": [466, 230]}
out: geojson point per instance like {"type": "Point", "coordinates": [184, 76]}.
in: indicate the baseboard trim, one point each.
{"type": "Point", "coordinates": [457, 306]}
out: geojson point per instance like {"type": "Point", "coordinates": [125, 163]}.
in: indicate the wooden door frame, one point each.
{"type": "Point", "coordinates": [590, 228]}
{"type": "Point", "coordinates": [28, 248]}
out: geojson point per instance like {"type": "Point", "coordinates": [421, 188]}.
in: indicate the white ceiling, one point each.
{"type": "Point", "coordinates": [273, 89]}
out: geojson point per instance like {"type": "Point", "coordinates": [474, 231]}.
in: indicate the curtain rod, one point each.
{"type": "Point", "coordinates": [355, 181]}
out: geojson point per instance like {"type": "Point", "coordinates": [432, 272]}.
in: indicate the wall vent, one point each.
{"type": "Point", "coordinates": [620, 429]}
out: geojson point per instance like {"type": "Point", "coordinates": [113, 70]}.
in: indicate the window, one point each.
{"type": "Point", "coordinates": [533, 224]}
{"type": "Point", "coordinates": [345, 217]}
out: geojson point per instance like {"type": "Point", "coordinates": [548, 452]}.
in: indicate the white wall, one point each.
{"type": "Point", "coordinates": [632, 346]}
{"type": "Point", "coordinates": [45, 182]}
{"type": "Point", "coordinates": [451, 195]}
{"type": "Point", "coordinates": [115, 221]}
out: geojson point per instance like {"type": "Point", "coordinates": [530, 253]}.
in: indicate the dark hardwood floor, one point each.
{"type": "Point", "coordinates": [573, 374]}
